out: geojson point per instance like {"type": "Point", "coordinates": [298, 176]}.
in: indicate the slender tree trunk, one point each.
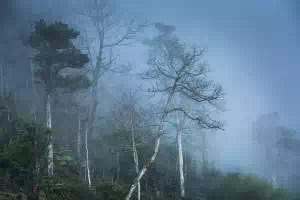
{"type": "Point", "coordinates": [156, 149]}
{"type": "Point", "coordinates": [79, 135]}
{"type": "Point", "coordinates": [186, 165]}
{"type": "Point", "coordinates": [49, 125]}
{"type": "Point", "coordinates": [180, 158]}
{"type": "Point", "coordinates": [179, 124]}
{"type": "Point", "coordinates": [135, 154]}
{"type": "Point", "coordinates": [87, 159]}
{"type": "Point", "coordinates": [94, 92]}
{"type": "Point", "coordinates": [144, 169]}
{"type": "Point", "coordinates": [89, 130]}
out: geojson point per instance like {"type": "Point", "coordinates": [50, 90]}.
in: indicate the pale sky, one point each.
{"type": "Point", "coordinates": [253, 50]}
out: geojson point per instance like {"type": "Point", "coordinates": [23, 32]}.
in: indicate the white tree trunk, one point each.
{"type": "Point", "coordinates": [144, 169]}
{"type": "Point", "coordinates": [87, 158]}
{"type": "Point", "coordinates": [135, 155]}
{"type": "Point", "coordinates": [186, 162]}
{"type": "Point", "coordinates": [156, 148]}
{"type": "Point", "coordinates": [79, 135]}
{"type": "Point", "coordinates": [180, 157]}
{"type": "Point", "coordinates": [50, 145]}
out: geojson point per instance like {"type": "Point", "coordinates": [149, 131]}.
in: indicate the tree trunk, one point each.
{"type": "Point", "coordinates": [49, 125]}
{"type": "Point", "coordinates": [144, 169]}
{"type": "Point", "coordinates": [135, 155]}
{"type": "Point", "coordinates": [89, 130]}
{"type": "Point", "coordinates": [186, 165]}
{"type": "Point", "coordinates": [180, 158]}
{"type": "Point", "coordinates": [87, 159]}
{"type": "Point", "coordinates": [79, 135]}
{"type": "Point", "coordinates": [156, 149]}
{"type": "Point", "coordinates": [179, 124]}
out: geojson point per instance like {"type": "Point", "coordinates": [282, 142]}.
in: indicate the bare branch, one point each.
{"type": "Point", "coordinates": [128, 35]}
{"type": "Point", "coordinates": [204, 121]}
{"type": "Point", "coordinates": [188, 77]}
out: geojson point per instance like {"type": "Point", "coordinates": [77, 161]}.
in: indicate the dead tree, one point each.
{"type": "Point", "coordinates": [177, 70]}
{"type": "Point", "coordinates": [110, 34]}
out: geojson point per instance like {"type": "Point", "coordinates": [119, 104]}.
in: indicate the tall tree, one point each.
{"type": "Point", "coordinates": [55, 52]}
{"type": "Point", "coordinates": [177, 70]}
{"type": "Point", "coordinates": [110, 33]}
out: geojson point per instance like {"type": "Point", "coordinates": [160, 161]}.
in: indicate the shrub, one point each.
{"type": "Point", "coordinates": [238, 187]}
{"type": "Point", "coordinates": [111, 191]}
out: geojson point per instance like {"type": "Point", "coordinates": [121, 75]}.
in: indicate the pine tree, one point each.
{"type": "Point", "coordinates": [55, 52]}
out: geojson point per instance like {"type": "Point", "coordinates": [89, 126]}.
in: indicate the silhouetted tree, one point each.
{"type": "Point", "coordinates": [178, 72]}
{"type": "Point", "coordinates": [55, 52]}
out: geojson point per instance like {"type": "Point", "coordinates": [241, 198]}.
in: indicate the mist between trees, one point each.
{"type": "Point", "coordinates": [74, 129]}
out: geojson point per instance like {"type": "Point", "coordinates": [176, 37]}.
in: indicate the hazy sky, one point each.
{"type": "Point", "coordinates": [253, 48]}
{"type": "Point", "coordinates": [253, 52]}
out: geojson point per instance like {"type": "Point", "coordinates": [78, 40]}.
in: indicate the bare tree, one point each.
{"type": "Point", "coordinates": [110, 33]}
{"type": "Point", "coordinates": [177, 71]}
{"type": "Point", "coordinates": [134, 117]}
{"type": "Point", "coordinates": [133, 113]}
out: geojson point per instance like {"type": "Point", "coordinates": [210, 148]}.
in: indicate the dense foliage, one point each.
{"type": "Point", "coordinates": [17, 166]}
{"type": "Point", "coordinates": [56, 52]}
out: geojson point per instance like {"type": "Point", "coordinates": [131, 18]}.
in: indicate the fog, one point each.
{"type": "Point", "coordinates": [253, 52]}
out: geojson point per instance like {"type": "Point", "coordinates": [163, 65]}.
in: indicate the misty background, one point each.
{"type": "Point", "coordinates": [253, 51]}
